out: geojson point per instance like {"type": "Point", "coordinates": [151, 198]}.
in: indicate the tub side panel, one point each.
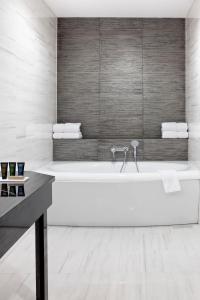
{"type": "Point", "coordinates": [123, 204]}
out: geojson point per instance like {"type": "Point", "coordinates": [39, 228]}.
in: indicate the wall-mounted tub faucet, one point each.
{"type": "Point", "coordinates": [123, 149]}
{"type": "Point", "coordinates": [116, 149]}
{"type": "Point", "coordinates": [135, 144]}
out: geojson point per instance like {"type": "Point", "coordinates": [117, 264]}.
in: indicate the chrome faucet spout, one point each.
{"type": "Point", "coordinates": [123, 149]}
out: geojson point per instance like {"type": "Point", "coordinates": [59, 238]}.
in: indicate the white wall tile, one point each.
{"type": "Point", "coordinates": [193, 81]}
{"type": "Point", "coordinates": [28, 38]}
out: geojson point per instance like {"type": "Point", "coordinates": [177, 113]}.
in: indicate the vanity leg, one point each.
{"type": "Point", "coordinates": [41, 258]}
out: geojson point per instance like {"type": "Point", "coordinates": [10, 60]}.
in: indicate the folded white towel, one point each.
{"type": "Point", "coordinates": [58, 128]}
{"type": "Point", "coordinates": [174, 135]}
{"type": "Point", "coordinates": [72, 127]}
{"type": "Point", "coordinates": [171, 183]}
{"type": "Point", "coordinates": [67, 127]}
{"type": "Point", "coordinates": [181, 127]}
{"type": "Point", "coordinates": [169, 126]}
{"type": "Point", "coordinates": [183, 135]}
{"type": "Point", "coordinates": [77, 135]}
{"type": "Point", "coordinates": [174, 126]}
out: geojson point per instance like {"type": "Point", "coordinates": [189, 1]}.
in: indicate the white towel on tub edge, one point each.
{"type": "Point", "coordinates": [170, 181]}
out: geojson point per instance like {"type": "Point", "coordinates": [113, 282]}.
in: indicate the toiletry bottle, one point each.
{"type": "Point", "coordinates": [4, 170]}
{"type": "Point", "coordinates": [12, 168]}
{"type": "Point", "coordinates": [20, 167]}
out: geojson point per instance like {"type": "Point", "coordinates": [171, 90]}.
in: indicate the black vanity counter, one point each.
{"type": "Point", "coordinates": [22, 205]}
{"type": "Point", "coordinates": [35, 182]}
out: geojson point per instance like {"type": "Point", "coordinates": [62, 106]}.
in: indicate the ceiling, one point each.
{"type": "Point", "coordinates": [121, 8]}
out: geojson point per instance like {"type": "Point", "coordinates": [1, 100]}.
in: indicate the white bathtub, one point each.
{"type": "Point", "coordinates": [96, 194]}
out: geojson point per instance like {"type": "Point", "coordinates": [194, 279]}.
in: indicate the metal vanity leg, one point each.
{"type": "Point", "coordinates": [41, 258]}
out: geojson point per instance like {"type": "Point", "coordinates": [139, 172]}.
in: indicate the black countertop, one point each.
{"type": "Point", "coordinates": [22, 205]}
{"type": "Point", "coordinates": [14, 194]}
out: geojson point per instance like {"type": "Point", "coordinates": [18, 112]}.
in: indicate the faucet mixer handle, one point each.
{"type": "Point", "coordinates": [115, 149]}
{"type": "Point", "coordinates": [119, 149]}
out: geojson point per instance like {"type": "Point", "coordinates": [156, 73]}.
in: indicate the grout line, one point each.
{"type": "Point", "coordinates": [190, 9]}
{"type": "Point", "coordinates": [56, 70]}
{"type": "Point", "coordinates": [143, 87]}
{"type": "Point", "coordinates": [99, 114]}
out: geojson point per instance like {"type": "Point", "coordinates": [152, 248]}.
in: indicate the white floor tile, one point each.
{"type": "Point", "coordinates": [158, 263]}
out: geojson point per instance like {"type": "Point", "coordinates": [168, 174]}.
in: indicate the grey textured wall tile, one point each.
{"type": "Point", "coordinates": [121, 84]}
{"type": "Point", "coordinates": [121, 62]}
{"type": "Point", "coordinates": [104, 146]}
{"type": "Point", "coordinates": [79, 60]}
{"type": "Point", "coordinates": [121, 23]}
{"type": "Point", "coordinates": [163, 74]}
{"type": "Point", "coordinates": [121, 78]}
{"type": "Point", "coordinates": [121, 116]}
{"type": "Point", "coordinates": [164, 57]}
{"type": "Point", "coordinates": [120, 41]}
{"type": "Point", "coordinates": [166, 35]}
{"type": "Point", "coordinates": [78, 73]}
{"type": "Point", "coordinates": [80, 107]}
{"type": "Point", "coordinates": [77, 26]}
{"type": "Point", "coordinates": [165, 149]}
{"type": "Point", "coordinates": [128, 126]}
{"type": "Point", "coordinates": [82, 60]}
{"type": "Point", "coordinates": [77, 83]}
{"type": "Point", "coordinates": [149, 149]}
{"type": "Point", "coordinates": [78, 45]}
{"type": "Point", "coordinates": [161, 108]}
{"type": "Point", "coordinates": [73, 150]}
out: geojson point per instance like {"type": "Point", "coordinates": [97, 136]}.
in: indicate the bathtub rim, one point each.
{"type": "Point", "coordinates": [193, 173]}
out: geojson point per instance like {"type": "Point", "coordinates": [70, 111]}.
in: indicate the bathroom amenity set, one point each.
{"type": "Point", "coordinates": [15, 174]}
{"type": "Point", "coordinates": [173, 130]}
{"type": "Point", "coordinates": [67, 131]}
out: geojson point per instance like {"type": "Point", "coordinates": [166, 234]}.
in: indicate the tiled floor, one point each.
{"type": "Point", "coordinates": [160, 263]}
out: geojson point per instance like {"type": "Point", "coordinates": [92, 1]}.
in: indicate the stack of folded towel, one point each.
{"type": "Point", "coordinates": [67, 131]}
{"type": "Point", "coordinates": [173, 130]}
